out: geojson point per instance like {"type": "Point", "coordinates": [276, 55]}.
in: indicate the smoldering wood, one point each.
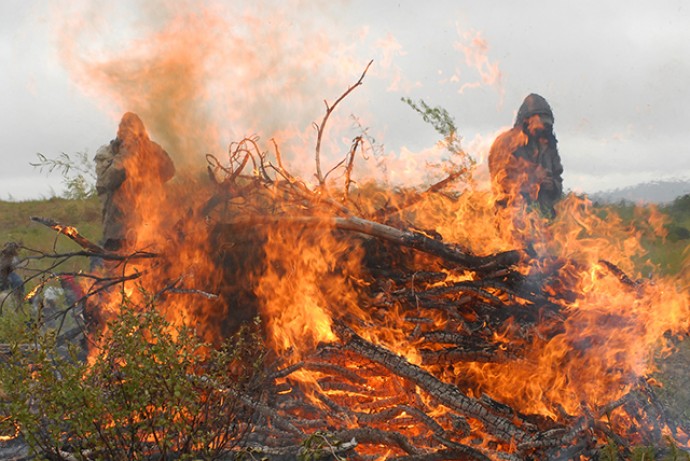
{"type": "Point", "coordinates": [91, 249]}
{"type": "Point", "coordinates": [560, 441]}
{"type": "Point", "coordinates": [293, 452]}
{"type": "Point", "coordinates": [70, 232]}
{"type": "Point", "coordinates": [445, 454]}
{"type": "Point", "coordinates": [618, 272]}
{"type": "Point", "coordinates": [488, 354]}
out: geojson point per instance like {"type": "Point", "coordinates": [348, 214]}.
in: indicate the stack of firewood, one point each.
{"type": "Point", "coordinates": [369, 402]}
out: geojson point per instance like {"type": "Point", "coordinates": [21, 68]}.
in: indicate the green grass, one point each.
{"type": "Point", "coordinates": [16, 226]}
{"type": "Point", "coordinates": [666, 252]}
{"type": "Point", "coordinates": [676, 248]}
{"type": "Point", "coordinates": [15, 223]}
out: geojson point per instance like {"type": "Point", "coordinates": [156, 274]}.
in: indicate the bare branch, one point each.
{"type": "Point", "coordinates": [70, 232]}
{"type": "Point", "coordinates": [321, 128]}
{"type": "Point", "coordinates": [358, 141]}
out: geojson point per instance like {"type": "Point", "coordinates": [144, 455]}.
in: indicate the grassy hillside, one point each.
{"type": "Point", "coordinates": [16, 226]}
{"type": "Point", "coordinates": [666, 252]}
{"type": "Point", "coordinates": [677, 243]}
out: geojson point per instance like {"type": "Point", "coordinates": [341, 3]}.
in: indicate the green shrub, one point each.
{"type": "Point", "coordinates": [78, 173]}
{"type": "Point", "coordinates": [613, 452]}
{"type": "Point", "coordinates": [676, 233]}
{"type": "Point", "coordinates": [153, 392]}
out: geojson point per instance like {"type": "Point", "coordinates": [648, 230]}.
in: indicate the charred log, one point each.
{"type": "Point", "coordinates": [444, 393]}
{"type": "Point", "coordinates": [410, 239]}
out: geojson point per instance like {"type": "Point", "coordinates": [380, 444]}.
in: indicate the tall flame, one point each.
{"type": "Point", "coordinates": [184, 77]}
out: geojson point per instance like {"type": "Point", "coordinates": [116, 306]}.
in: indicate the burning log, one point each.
{"type": "Point", "coordinates": [379, 416]}
{"type": "Point", "coordinates": [446, 394]}
{"type": "Point", "coordinates": [91, 248]}
{"type": "Point", "coordinates": [403, 238]}
{"type": "Point", "coordinates": [70, 232]}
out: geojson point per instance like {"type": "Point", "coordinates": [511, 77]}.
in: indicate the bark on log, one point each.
{"type": "Point", "coordinates": [450, 253]}
{"type": "Point", "coordinates": [444, 393]}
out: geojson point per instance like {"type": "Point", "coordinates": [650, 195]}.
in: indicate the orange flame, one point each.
{"type": "Point", "coordinates": [307, 276]}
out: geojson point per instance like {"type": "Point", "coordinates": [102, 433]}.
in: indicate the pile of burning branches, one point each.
{"type": "Point", "coordinates": [411, 356]}
{"type": "Point", "coordinates": [395, 335]}
{"type": "Point", "coordinates": [397, 379]}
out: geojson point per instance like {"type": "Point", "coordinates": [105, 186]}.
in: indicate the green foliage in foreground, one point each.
{"type": "Point", "coordinates": [613, 452]}
{"type": "Point", "coordinates": [147, 395]}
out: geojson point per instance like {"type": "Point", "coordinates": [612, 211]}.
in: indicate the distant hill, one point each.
{"type": "Point", "coordinates": [649, 192]}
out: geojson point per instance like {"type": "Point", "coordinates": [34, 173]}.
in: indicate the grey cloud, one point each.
{"type": "Point", "coordinates": [615, 73]}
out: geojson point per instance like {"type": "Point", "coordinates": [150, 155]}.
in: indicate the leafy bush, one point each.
{"type": "Point", "coordinates": [155, 391]}
{"type": "Point", "coordinates": [459, 163]}
{"type": "Point", "coordinates": [613, 452]}
{"type": "Point", "coordinates": [676, 233]}
{"type": "Point", "coordinates": [78, 173]}
{"type": "Point", "coordinates": [681, 205]}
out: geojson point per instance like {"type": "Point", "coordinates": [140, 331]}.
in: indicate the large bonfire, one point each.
{"type": "Point", "coordinates": [417, 323]}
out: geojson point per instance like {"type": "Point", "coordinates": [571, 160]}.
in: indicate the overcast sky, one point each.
{"type": "Point", "coordinates": [616, 74]}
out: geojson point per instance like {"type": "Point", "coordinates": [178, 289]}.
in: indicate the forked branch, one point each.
{"type": "Point", "coordinates": [321, 128]}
